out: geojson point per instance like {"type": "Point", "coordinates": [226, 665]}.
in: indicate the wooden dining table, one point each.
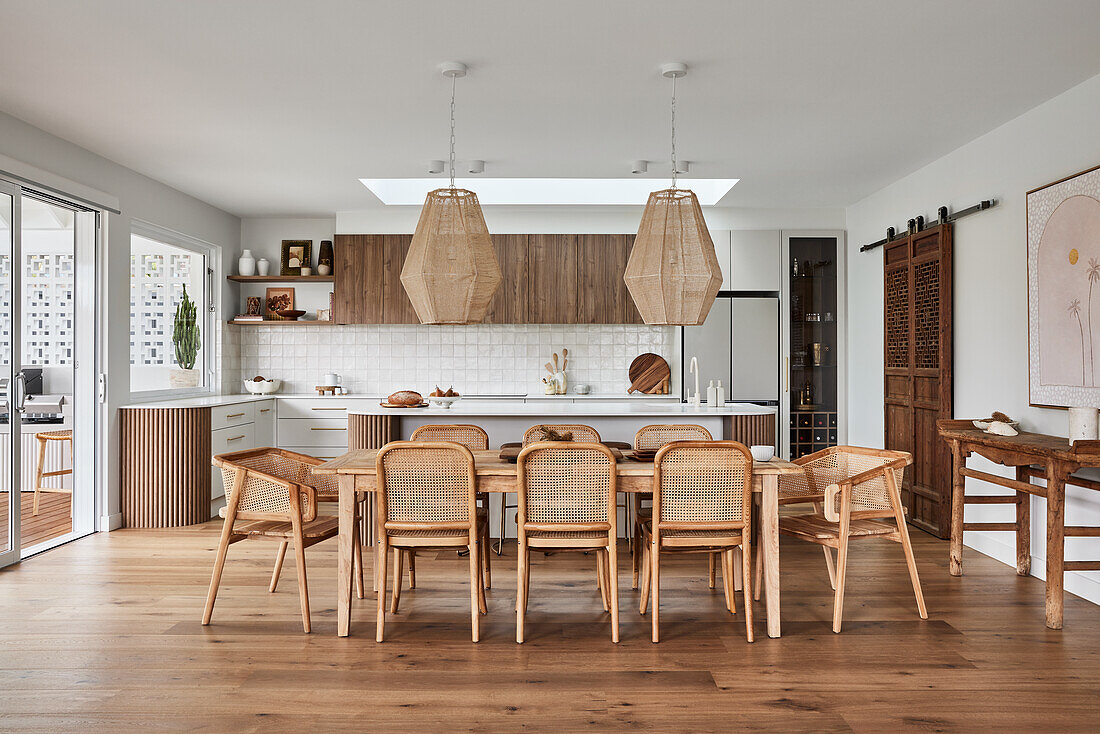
{"type": "Point", "coordinates": [355, 472]}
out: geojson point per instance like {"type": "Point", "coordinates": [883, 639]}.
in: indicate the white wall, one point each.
{"type": "Point", "coordinates": [1056, 139]}
{"type": "Point", "coordinates": [142, 198]}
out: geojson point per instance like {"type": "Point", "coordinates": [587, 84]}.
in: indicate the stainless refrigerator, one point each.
{"type": "Point", "coordinates": [739, 345]}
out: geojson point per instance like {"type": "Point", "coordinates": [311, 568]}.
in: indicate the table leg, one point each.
{"type": "Point", "coordinates": [769, 531]}
{"type": "Point", "coordinates": [1056, 498]}
{"type": "Point", "coordinates": [1023, 525]}
{"type": "Point", "coordinates": [958, 506]}
{"type": "Point", "coordinates": [344, 539]}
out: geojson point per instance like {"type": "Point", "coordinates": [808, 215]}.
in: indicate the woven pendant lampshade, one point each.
{"type": "Point", "coordinates": [673, 273]}
{"type": "Point", "coordinates": [451, 270]}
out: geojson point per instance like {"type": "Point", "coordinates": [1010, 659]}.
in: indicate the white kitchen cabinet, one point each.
{"type": "Point", "coordinates": [755, 260]}
{"type": "Point", "coordinates": [265, 423]}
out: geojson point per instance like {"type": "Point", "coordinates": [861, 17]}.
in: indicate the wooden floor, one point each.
{"type": "Point", "coordinates": [103, 634]}
{"type": "Point", "coordinates": [53, 518]}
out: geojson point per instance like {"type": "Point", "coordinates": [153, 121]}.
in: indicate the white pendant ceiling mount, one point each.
{"type": "Point", "coordinates": [673, 273]}
{"type": "Point", "coordinates": [451, 271]}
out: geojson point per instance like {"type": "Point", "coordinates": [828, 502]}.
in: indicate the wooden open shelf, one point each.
{"type": "Point", "coordinates": [274, 322]}
{"type": "Point", "coordinates": [281, 278]}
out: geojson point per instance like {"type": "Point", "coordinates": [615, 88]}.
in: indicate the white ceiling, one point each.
{"type": "Point", "coordinates": [280, 107]}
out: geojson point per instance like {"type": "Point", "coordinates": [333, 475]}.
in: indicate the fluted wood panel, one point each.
{"type": "Point", "coordinates": [751, 430]}
{"type": "Point", "coordinates": [165, 467]}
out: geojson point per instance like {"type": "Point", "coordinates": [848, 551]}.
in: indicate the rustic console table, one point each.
{"type": "Point", "coordinates": [1034, 455]}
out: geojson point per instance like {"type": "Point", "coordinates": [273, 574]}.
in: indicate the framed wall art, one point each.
{"type": "Point", "coordinates": [1063, 291]}
{"type": "Point", "coordinates": [278, 299]}
{"type": "Point", "coordinates": [297, 254]}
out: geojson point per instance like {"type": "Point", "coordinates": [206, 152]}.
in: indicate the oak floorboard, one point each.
{"type": "Point", "coordinates": [108, 639]}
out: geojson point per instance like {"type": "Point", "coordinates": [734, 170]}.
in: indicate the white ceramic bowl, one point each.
{"type": "Point", "coordinates": [265, 387]}
{"type": "Point", "coordinates": [441, 402]}
{"type": "Point", "coordinates": [762, 453]}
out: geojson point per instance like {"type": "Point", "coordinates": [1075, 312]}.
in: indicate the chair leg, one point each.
{"type": "Point", "coordinates": [730, 574]}
{"type": "Point", "coordinates": [758, 581]}
{"type": "Point", "coordinates": [486, 554]}
{"type": "Point", "coordinates": [643, 603]}
{"type": "Point", "coordinates": [527, 582]}
{"type": "Point", "coordinates": [635, 556]}
{"type": "Point", "coordinates": [830, 566]}
{"type": "Point", "coordinates": [477, 597]}
{"type": "Point", "coordinates": [500, 537]}
{"type": "Point", "coordinates": [357, 560]}
{"type": "Point", "coordinates": [746, 574]}
{"type": "Point", "coordinates": [411, 555]}
{"type": "Point", "coordinates": [841, 568]}
{"type": "Point", "coordinates": [398, 557]}
{"type": "Point", "coordinates": [279, 556]}
{"type": "Point", "coordinates": [711, 576]}
{"type": "Point", "coordinates": [38, 473]}
{"type": "Point", "coordinates": [655, 585]}
{"type": "Point", "coordinates": [601, 580]}
{"type": "Point", "coordinates": [219, 565]}
{"type": "Point", "coordinates": [521, 590]}
{"type": "Point", "coordinates": [383, 573]}
{"type": "Point", "coordinates": [727, 587]}
{"type": "Point", "coordinates": [911, 562]}
{"type": "Point", "coordinates": [613, 586]}
{"type": "Point", "coordinates": [303, 586]}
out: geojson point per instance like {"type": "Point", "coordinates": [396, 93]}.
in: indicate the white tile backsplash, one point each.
{"type": "Point", "coordinates": [487, 359]}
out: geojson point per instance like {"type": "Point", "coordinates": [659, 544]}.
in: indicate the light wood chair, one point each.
{"type": "Point", "coordinates": [44, 438]}
{"type": "Point", "coordinates": [272, 493]}
{"type": "Point", "coordinates": [566, 494]}
{"type": "Point", "coordinates": [702, 503]}
{"type": "Point", "coordinates": [327, 491]}
{"type": "Point", "coordinates": [860, 489]}
{"type": "Point", "coordinates": [427, 498]}
{"type": "Point", "coordinates": [534, 434]}
{"type": "Point", "coordinates": [651, 438]}
{"type": "Point", "coordinates": [474, 438]}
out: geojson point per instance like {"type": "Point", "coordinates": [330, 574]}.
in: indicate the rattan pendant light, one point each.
{"type": "Point", "coordinates": [672, 273]}
{"type": "Point", "coordinates": [451, 271]}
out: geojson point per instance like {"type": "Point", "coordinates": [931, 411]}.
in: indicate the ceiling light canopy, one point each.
{"type": "Point", "coordinates": [451, 271]}
{"type": "Point", "coordinates": [673, 273]}
{"type": "Point", "coordinates": [544, 191]}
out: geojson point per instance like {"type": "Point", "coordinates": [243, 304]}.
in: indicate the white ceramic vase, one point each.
{"type": "Point", "coordinates": [1083, 424]}
{"type": "Point", "coordinates": [263, 266]}
{"type": "Point", "coordinates": [246, 265]}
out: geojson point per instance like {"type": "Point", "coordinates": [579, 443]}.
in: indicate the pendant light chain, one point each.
{"type": "Point", "coordinates": [452, 161]}
{"type": "Point", "coordinates": [674, 132]}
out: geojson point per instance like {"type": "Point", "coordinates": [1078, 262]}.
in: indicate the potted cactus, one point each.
{"type": "Point", "coordinates": [185, 340]}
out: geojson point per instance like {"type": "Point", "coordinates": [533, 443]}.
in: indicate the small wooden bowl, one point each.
{"type": "Point", "coordinates": [291, 314]}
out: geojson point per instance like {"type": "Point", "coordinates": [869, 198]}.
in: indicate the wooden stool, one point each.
{"type": "Point", "coordinates": [43, 439]}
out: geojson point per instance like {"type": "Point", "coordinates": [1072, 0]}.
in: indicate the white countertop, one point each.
{"type": "Point", "coordinates": [533, 405]}
{"type": "Point", "coordinates": [592, 408]}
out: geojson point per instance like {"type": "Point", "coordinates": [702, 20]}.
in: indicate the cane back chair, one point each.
{"type": "Point", "coordinates": [860, 489]}
{"type": "Point", "coordinates": [566, 492]}
{"type": "Point", "coordinates": [273, 494]}
{"type": "Point", "coordinates": [427, 498]}
{"type": "Point", "coordinates": [702, 503]}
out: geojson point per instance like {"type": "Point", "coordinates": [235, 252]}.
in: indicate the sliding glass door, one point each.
{"type": "Point", "coordinates": [47, 371]}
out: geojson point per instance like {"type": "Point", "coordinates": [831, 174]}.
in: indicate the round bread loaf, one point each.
{"type": "Point", "coordinates": [405, 397]}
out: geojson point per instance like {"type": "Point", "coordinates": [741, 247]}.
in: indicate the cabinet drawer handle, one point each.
{"type": "Point", "coordinates": [322, 428]}
{"type": "Point", "coordinates": [235, 438]}
{"type": "Point", "coordinates": [265, 410]}
{"type": "Point", "coordinates": [328, 408]}
{"type": "Point", "coordinates": [234, 415]}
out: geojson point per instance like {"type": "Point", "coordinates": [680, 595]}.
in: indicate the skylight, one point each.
{"type": "Point", "coordinates": [547, 191]}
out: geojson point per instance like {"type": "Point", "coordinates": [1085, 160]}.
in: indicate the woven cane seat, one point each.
{"type": "Point", "coordinates": [817, 527]}
{"type": "Point", "coordinates": [569, 534]}
{"type": "Point", "coordinates": [64, 435]}
{"type": "Point", "coordinates": [436, 533]}
{"type": "Point", "coordinates": [323, 527]}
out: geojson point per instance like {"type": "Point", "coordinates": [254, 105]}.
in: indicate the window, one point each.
{"type": "Point", "coordinates": [164, 266]}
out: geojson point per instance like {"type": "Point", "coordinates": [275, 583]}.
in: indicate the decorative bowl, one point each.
{"type": "Point", "coordinates": [442, 401]}
{"type": "Point", "coordinates": [762, 453]}
{"type": "Point", "coordinates": [984, 425]}
{"type": "Point", "coordinates": [263, 387]}
{"type": "Point", "coordinates": [291, 314]}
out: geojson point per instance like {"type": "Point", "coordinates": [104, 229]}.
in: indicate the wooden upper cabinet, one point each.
{"type": "Point", "coordinates": [552, 269]}
{"type": "Point", "coordinates": [509, 304]}
{"type": "Point", "coordinates": [601, 291]}
{"type": "Point", "coordinates": [358, 278]}
{"type": "Point", "coordinates": [396, 306]}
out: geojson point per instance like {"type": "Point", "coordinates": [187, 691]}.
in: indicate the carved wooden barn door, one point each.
{"type": "Point", "coordinates": [918, 358]}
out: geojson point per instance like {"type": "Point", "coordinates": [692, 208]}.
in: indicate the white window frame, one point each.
{"type": "Point", "coordinates": [210, 309]}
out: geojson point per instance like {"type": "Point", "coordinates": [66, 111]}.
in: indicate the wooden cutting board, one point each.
{"type": "Point", "coordinates": [649, 373]}
{"type": "Point", "coordinates": [510, 451]}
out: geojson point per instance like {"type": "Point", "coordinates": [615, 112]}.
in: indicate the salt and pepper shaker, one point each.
{"type": "Point", "coordinates": [719, 396]}
{"type": "Point", "coordinates": [712, 394]}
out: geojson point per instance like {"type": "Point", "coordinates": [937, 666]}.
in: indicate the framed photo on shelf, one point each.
{"type": "Point", "coordinates": [254, 307]}
{"type": "Point", "coordinates": [297, 254]}
{"type": "Point", "coordinates": [278, 299]}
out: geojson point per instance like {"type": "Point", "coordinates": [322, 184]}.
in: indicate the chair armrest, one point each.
{"type": "Point", "coordinates": [845, 486]}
